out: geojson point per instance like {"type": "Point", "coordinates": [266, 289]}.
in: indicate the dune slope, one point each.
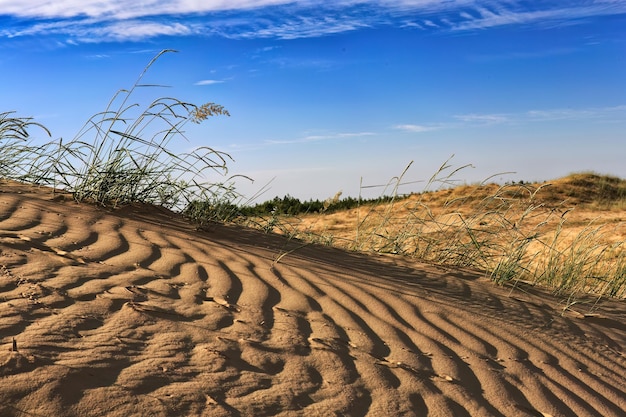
{"type": "Point", "coordinates": [134, 312]}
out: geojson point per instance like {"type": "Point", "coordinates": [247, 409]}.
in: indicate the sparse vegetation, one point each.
{"type": "Point", "coordinates": [517, 232]}
{"type": "Point", "coordinates": [514, 232]}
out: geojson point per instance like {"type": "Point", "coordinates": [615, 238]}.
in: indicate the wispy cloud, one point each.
{"type": "Point", "coordinates": [98, 56]}
{"type": "Point", "coordinates": [517, 55]}
{"type": "Point", "coordinates": [416, 128]}
{"type": "Point", "coordinates": [123, 9]}
{"type": "Point", "coordinates": [546, 13]}
{"type": "Point", "coordinates": [135, 30]}
{"type": "Point", "coordinates": [309, 24]}
{"type": "Point", "coordinates": [488, 119]}
{"type": "Point", "coordinates": [118, 20]}
{"type": "Point", "coordinates": [544, 115]}
{"type": "Point", "coordinates": [430, 23]}
{"type": "Point", "coordinates": [256, 145]}
{"type": "Point", "coordinates": [317, 138]}
{"type": "Point", "coordinates": [600, 113]}
{"type": "Point", "coordinates": [89, 30]}
{"type": "Point", "coordinates": [208, 82]}
{"type": "Point", "coordinates": [286, 62]}
{"type": "Point", "coordinates": [474, 120]}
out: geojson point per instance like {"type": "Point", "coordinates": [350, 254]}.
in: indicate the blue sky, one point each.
{"type": "Point", "coordinates": [327, 95]}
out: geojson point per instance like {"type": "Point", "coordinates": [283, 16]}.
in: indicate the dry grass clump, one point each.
{"type": "Point", "coordinates": [14, 151]}
{"type": "Point", "coordinates": [121, 155]}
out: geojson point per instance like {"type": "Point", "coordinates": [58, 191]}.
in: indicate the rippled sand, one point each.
{"type": "Point", "coordinates": [133, 312]}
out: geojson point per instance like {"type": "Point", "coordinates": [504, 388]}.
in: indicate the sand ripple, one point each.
{"type": "Point", "coordinates": [133, 312]}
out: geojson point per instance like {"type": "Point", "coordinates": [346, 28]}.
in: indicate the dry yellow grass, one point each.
{"type": "Point", "coordinates": [568, 234]}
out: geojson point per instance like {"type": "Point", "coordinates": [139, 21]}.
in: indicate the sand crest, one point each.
{"type": "Point", "coordinates": [133, 312]}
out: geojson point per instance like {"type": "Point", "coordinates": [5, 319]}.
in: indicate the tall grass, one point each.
{"type": "Point", "coordinates": [123, 154]}
{"type": "Point", "coordinates": [15, 151]}
{"type": "Point", "coordinates": [584, 262]}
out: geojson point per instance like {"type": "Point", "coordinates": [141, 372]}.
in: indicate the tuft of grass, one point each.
{"type": "Point", "coordinates": [582, 263]}
{"type": "Point", "coordinates": [215, 208]}
{"type": "Point", "coordinates": [123, 154]}
{"type": "Point", "coordinates": [16, 151]}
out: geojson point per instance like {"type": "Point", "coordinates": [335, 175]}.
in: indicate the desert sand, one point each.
{"type": "Point", "coordinates": [134, 312]}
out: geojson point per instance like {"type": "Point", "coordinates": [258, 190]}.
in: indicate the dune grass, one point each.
{"type": "Point", "coordinates": [122, 154]}
{"type": "Point", "coordinates": [15, 152]}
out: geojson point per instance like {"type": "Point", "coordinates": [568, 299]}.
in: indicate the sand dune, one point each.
{"type": "Point", "coordinates": [134, 312]}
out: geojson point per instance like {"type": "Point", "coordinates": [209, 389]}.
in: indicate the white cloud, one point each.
{"type": "Point", "coordinates": [124, 9]}
{"type": "Point", "coordinates": [98, 56]}
{"type": "Point", "coordinates": [545, 115]}
{"type": "Point", "coordinates": [552, 13]}
{"type": "Point", "coordinates": [320, 64]}
{"type": "Point", "coordinates": [267, 48]}
{"type": "Point", "coordinates": [483, 118]}
{"type": "Point", "coordinates": [138, 30]}
{"type": "Point", "coordinates": [416, 128]}
{"type": "Point", "coordinates": [412, 25]}
{"type": "Point", "coordinates": [88, 30]}
{"type": "Point", "coordinates": [117, 20]}
{"type": "Point", "coordinates": [208, 82]}
{"type": "Point", "coordinates": [600, 114]}
{"type": "Point", "coordinates": [294, 27]}
{"type": "Point", "coordinates": [317, 138]}
{"type": "Point", "coordinates": [577, 114]}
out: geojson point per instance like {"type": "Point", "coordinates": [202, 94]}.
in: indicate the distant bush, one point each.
{"type": "Point", "coordinates": [292, 206]}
